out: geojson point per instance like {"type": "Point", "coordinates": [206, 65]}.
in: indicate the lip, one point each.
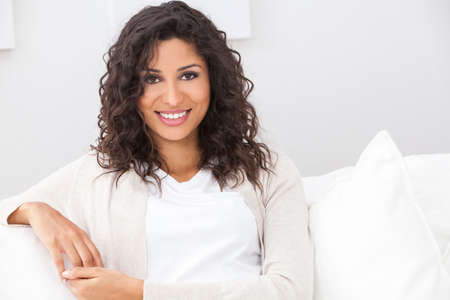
{"type": "Point", "coordinates": [174, 122]}
{"type": "Point", "coordinates": [174, 111]}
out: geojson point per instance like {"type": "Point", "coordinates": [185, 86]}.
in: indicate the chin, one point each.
{"type": "Point", "coordinates": [174, 136]}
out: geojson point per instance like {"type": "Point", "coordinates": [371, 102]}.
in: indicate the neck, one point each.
{"type": "Point", "coordinates": [182, 157]}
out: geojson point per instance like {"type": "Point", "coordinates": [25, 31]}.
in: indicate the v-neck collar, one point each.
{"type": "Point", "coordinates": [184, 185]}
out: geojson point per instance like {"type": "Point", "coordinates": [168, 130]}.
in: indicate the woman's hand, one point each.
{"type": "Point", "coordinates": [59, 235]}
{"type": "Point", "coordinates": [103, 284]}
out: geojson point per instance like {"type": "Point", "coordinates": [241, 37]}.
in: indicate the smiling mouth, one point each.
{"type": "Point", "coordinates": [174, 119]}
{"type": "Point", "coordinates": [187, 110]}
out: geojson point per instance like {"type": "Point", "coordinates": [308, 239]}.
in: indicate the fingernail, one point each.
{"type": "Point", "coordinates": [65, 273]}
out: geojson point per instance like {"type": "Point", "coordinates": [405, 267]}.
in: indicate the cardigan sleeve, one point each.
{"type": "Point", "coordinates": [287, 268]}
{"type": "Point", "coordinates": [53, 190]}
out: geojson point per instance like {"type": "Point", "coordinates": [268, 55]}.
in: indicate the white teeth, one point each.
{"type": "Point", "coordinates": [173, 116]}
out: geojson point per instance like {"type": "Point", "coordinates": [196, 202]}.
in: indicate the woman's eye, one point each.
{"type": "Point", "coordinates": [191, 75]}
{"type": "Point", "coordinates": [150, 79]}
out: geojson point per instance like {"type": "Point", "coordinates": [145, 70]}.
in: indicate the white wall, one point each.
{"type": "Point", "coordinates": [328, 76]}
{"type": "Point", "coordinates": [48, 88]}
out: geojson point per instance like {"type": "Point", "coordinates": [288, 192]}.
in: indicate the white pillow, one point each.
{"type": "Point", "coordinates": [430, 175]}
{"type": "Point", "coordinates": [315, 187]}
{"type": "Point", "coordinates": [27, 270]}
{"type": "Point", "coordinates": [371, 240]}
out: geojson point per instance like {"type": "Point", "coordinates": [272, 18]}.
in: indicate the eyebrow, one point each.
{"type": "Point", "coordinates": [179, 69]}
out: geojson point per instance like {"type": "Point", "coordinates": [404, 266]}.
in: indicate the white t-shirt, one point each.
{"type": "Point", "coordinates": [195, 233]}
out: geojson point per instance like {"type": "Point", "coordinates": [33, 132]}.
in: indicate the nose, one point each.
{"type": "Point", "coordinates": [173, 96]}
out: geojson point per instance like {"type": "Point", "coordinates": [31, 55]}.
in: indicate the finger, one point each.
{"type": "Point", "coordinates": [56, 254]}
{"type": "Point", "coordinates": [84, 252]}
{"type": "Point", "coordinates": [82, 272]}
{"type": "Point", "coordinates": [95, 253]}
{"type": "Point", "coordinates": [72, 253]}
{"type": "Point", "coordinates": [74, 285]}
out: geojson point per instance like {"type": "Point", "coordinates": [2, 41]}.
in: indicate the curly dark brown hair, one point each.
{"type": "Point", "coordinates": [228, 132]}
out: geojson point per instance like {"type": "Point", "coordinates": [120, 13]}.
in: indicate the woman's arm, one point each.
{"type": "Point", "coordinates": [287, 270]}
{"type": "Point", "coordinates": [43, 207]}
{"type": "Point", "coordinates": [52, 190]}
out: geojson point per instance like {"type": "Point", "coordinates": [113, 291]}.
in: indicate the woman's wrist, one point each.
{"type": "Point", "coordinates": [20, 215]}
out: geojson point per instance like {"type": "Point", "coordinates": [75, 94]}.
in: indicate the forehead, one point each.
{"type": "Point", "coordinates": [174, 52]}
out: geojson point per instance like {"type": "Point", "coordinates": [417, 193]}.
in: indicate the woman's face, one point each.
{"type": "Point", "coordinates": [178, 80]}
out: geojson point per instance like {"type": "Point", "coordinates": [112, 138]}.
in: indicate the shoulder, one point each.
{"type": "Point", "coordinates": [88, 166]}
{"type": "Point", "coordinates": [87, 162]}
{"type": "Point", "coordinates": [285, 164]}
{"type": "Point", "coordinates": [285, 175]}
{"type": "Point", "coordinates": [284, 168]}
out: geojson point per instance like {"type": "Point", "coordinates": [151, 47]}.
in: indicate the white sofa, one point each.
{"type": "Point", "coordinates": [380, 229]}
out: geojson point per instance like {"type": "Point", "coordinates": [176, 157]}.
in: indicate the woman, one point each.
{"type": "Point", "coordinates": [178, 200]}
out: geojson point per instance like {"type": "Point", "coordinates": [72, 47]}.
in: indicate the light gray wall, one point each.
{"type": "Point", "coordinates": [328, 76]}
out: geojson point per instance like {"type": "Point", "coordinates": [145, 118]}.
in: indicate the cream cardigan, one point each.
{"type": "Point", "coordinates": [114, 218]}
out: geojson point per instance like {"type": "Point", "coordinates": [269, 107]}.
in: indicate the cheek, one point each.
{"type": "Point", "coordinates": [140, 105]}
{"type": "Point", "coordinates": [145, 108]}
{"type": "Point", "coordinates": [145, 102]}
{"type": "Point", "coordinates": [201, 93]}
